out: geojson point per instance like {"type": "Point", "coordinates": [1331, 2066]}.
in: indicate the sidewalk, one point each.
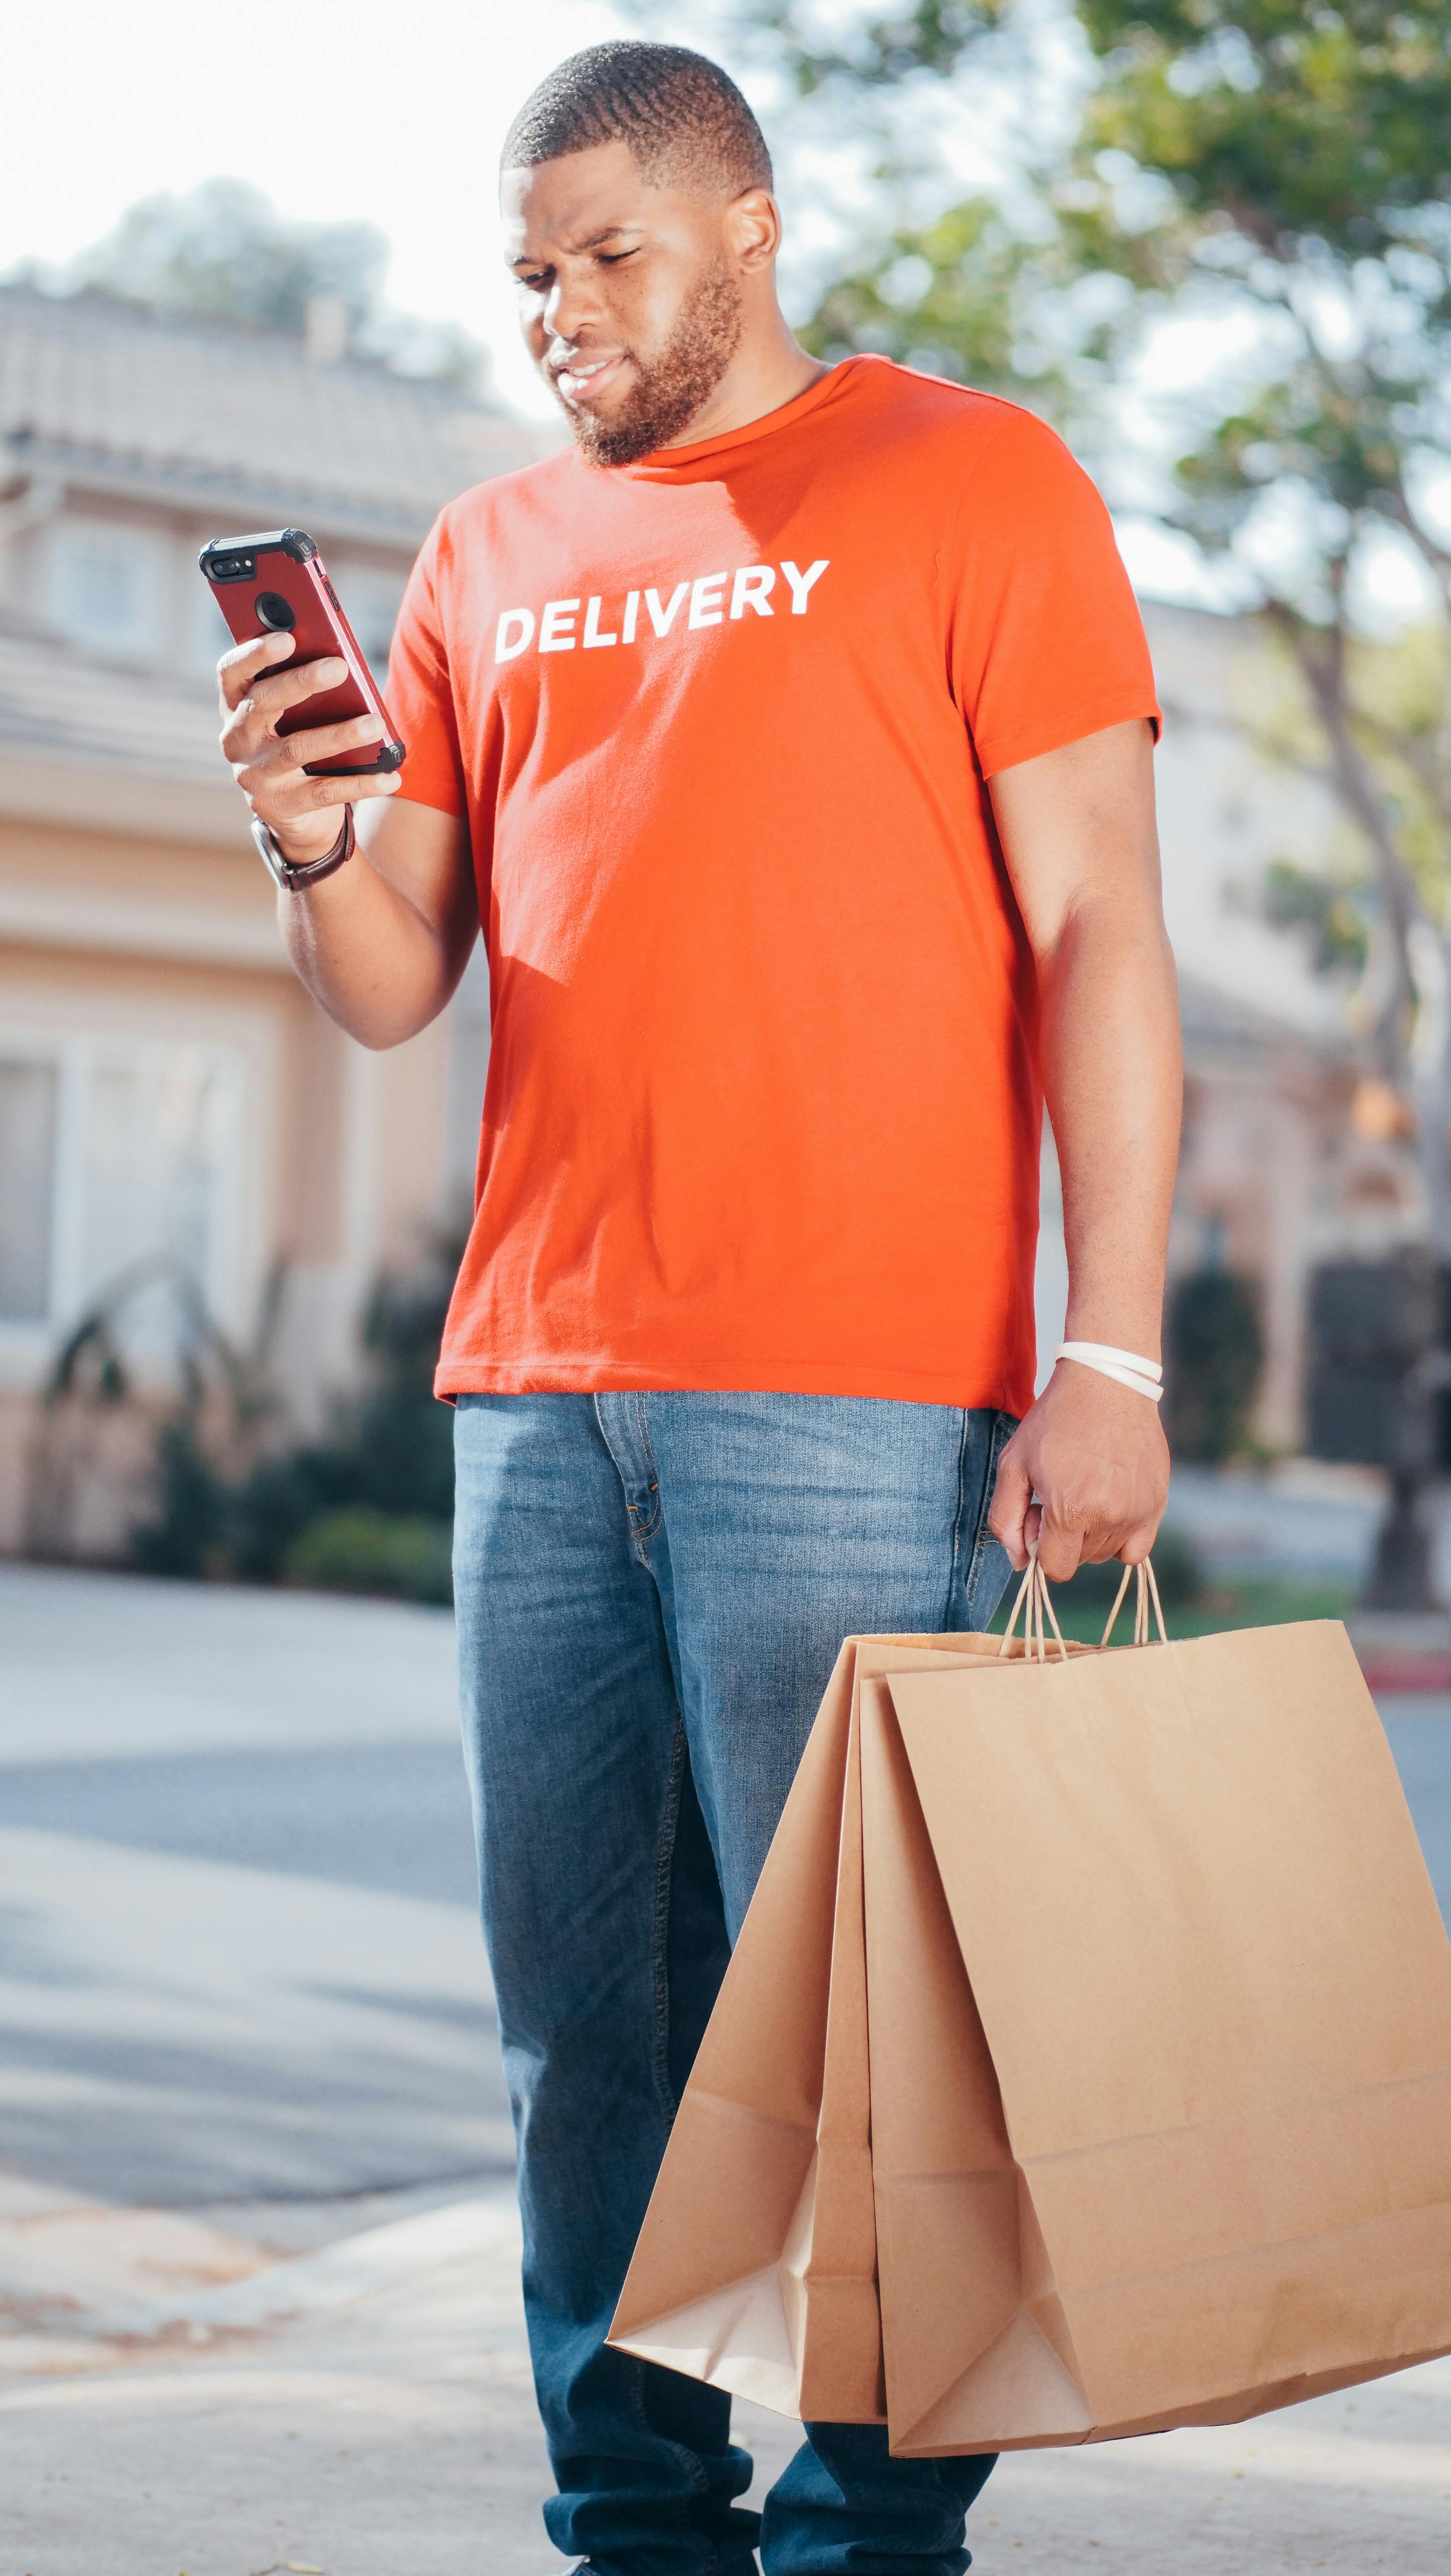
{"type": "Point", "coordinates": [385, 2427]}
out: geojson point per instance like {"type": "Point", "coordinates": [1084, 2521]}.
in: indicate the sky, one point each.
{"type": "Point", "coordinates": [395, 117]}
{"type": "Point", "coordinates": [338, 111]}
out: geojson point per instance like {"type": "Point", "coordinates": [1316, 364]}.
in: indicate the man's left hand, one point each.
{"type": "Point", "coordinates": [1095, 1455]}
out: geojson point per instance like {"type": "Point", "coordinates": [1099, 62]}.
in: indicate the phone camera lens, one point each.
{"type": "Point", "coordinates": [277, 614]}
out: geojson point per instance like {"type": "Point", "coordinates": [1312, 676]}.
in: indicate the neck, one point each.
{"type": "Point", "coordinates": [769, 369]}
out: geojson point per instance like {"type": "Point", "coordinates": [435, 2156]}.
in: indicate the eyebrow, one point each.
{"type": "Point", "coordinates": [607, 233]}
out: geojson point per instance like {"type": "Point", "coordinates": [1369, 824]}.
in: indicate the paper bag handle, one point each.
{"type": "Point", "coordinates": [1034, 1591]}
{"type": "Point", "coordinates": [1145, 1590]}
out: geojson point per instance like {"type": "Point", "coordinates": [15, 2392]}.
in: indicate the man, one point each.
{"type": "Point", "coordinates": [791, 736]}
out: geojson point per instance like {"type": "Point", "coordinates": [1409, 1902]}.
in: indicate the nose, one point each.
{"type": "Point", "coordinates": [570, 306]}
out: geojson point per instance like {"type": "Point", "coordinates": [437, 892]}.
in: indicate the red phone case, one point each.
{"type": "Point", "coordinates": [278, 583]}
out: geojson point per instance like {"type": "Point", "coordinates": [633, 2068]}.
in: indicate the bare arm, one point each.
{"type": "Point", "coordinates": [1077, 830]}
{"type": "Point", "coordinates": [382, 943]}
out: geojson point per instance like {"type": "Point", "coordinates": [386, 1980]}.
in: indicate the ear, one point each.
{"type": "Point", "coordinates": [752, 230]}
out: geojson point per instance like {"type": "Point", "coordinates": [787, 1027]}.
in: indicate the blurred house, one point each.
{"type": "Point", "coordinates": [1280, 1167]}
{"type": "Point", "coordinates": [165, 1084]}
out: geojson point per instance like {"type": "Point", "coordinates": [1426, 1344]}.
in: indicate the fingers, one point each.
{"type": "Point", "coordinates": [1139, 1542]}
{"type": "Point", "coordinates": [321, 742]}
{"type": "Point", "coordinates": [1011, 1503]}
{"type": "Point", "coordinates": [1060, 1546]}
{"type": "Point", "coordinates": [264, 762]}
{"type": "Point", "coordinates": [237, 667]}
{"type": "Point", "coordinates": [273, 694]}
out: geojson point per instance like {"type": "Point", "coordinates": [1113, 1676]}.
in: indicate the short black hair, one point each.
{"type": "Point", "coordinates": [682, 117]}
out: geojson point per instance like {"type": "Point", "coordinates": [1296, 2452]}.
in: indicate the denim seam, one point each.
{"type": "Point", "coordinates": [638, 1535]}
{"type": "Point", "coordinates": [642, 1426]}
{"type": "Point", "coordinates": [664, 1863]}
{"type": "Point", "coordinates": [691, 2460]}
{"type": "Point", "coordinates": [963, 1437]}
{"type": "Point", "coordinates": [1004, 1426]}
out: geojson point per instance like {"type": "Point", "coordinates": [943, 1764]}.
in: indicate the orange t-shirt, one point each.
{"type": "Point", "coordinates": [763, 1101]}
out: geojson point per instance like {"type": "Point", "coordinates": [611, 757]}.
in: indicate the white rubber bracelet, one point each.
{"type": "Point", "coordinates": [1124, 1367]}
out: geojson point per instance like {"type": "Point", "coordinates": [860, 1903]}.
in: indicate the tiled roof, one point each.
{"type": "Point", "coordinates": [61, 703]}
{"type": "Point", "coordinates": [209, 413]}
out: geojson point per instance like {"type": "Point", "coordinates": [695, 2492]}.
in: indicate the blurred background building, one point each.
{"type": "Point", "coordinates": [168, 1093]}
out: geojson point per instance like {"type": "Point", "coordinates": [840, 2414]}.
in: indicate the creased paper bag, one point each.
{"type": "Point", "coordinates": [1084, 2065]}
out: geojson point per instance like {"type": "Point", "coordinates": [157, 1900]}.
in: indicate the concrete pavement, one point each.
{"type": "Point", "coordinates": [258, 2260]}
{"type": "Point", "coordinates": [394, 2431]}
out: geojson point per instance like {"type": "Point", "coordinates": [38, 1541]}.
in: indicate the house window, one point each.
{"type": "Point", "coordinates": [211, 636]}
{"type": "Point", "coordinates": [118, 1169]}
{"type": "Point", "coordinates": [29, 1096]}
{"type": "Point", "coordinates": [106, 587]}
{"type": "Point", "coordinates": [371, 602]}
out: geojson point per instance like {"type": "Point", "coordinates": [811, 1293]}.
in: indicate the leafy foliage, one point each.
{"type": "Point", "coordinates": [360, 1550]}
{"type": "Point", "coordinates": [1283, 120]}
{"type": "Point", "coordinates": [1298, 898]}
{"type": "Point", "coordinates": [388, 1453]}
{"type": "Point", "coordinates": [1215, 1352]}
{"type": "Point", "coordinates": [1281, 174]}
{"type": "Point", "coordinates": [224, 253]}
{"type": "Point", "coordinates": [978, 299]}
{"type": "Point", "coordinates": [878, 51]}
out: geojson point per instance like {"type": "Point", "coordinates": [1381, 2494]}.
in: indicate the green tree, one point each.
{"type": "Point", "coordinates": [1260, 163]}
{"type": "Point", "coordinates": [876, 50]}
{"type": "Point", "coordinates": [1304, 155]}
{"type": "Point", "coordinates": [224, 253]}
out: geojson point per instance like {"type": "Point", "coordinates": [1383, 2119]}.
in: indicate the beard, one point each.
{"type": "Point", "coordinates": [668, 389]}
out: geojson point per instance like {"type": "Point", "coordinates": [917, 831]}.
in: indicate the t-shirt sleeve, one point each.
{"type": "Point", "coordinates": [1045, 637]}
{"type": "Point", "coordinates": [420, 692]}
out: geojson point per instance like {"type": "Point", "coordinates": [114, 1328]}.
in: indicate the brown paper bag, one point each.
{"type": "Point", "coordinates": [1084, 2065]}
{"type": "Point", "coordinates": [757, 2265]}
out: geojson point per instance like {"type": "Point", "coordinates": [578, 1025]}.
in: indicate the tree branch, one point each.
{"type": "Point", "coordinates": [1319, 653]}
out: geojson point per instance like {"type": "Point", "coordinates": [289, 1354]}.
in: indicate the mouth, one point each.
{"type": "Point", "coordinates": [582, 380]}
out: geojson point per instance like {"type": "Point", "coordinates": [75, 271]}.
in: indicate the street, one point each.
{"type": "Point", "coordinates": [258, 2258]}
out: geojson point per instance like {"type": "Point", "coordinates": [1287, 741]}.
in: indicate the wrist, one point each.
{"type": "Point", "coordinates": [309, 837]}
{"type": "Point", "coordinates": [1142, 1334]}
{"type": "Point", "coordinates": [1131, 1369]}
{"type": "Point", "coordinates": [297, 876]}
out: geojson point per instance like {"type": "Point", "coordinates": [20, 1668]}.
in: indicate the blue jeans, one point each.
{"type": "Point", "coordinates": [651, 1593]}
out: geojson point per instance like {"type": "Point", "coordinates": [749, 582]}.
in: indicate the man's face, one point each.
{"type": "Point", "coordinates": [630, 306]}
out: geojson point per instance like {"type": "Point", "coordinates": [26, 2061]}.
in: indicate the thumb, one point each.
{"type": "Point", "coordinates": [1012, 1495]}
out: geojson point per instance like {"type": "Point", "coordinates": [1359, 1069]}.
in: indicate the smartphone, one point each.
{"type": "Point", "coordinates": [278, 584]}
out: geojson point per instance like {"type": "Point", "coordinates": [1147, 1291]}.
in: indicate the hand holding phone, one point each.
{"type": "Point", "coordinates": [308, 737]}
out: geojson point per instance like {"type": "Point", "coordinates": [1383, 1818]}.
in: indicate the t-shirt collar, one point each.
{"type": "Point", "coordinates": [667, 460]}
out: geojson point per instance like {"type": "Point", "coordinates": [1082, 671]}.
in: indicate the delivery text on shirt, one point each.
{"type": "Point", "coordinates": [702, 602]}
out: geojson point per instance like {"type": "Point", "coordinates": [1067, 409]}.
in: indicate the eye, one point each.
{"type": "Point", "coordinates": [536, 284]}
{"type": "Point", "coordinates": [612, 258]}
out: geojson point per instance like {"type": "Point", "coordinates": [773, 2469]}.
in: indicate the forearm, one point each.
{"type": "Point", "coordinates": [1113, 1079]}
{"type": "Point", "coordinates": [382, 939]}
{"type": "Point", "coordinates": [367, 955]}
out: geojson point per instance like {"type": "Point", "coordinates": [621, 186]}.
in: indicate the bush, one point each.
{"type": "Point", "coordinates": [385, 1459]}
{"type": "Point", "coordinates": [189, 1534]}
{"type": "Point", "coordinates": [1215, 1353]}
{"type": "Point", "coordinates": [360, 1550]}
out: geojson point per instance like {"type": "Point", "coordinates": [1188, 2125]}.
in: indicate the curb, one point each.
{"type": "Point", "coordinates": [372, 2260]}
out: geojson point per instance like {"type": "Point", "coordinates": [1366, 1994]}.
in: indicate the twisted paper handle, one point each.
{"type": "Point", "coordinates": [1033, 1590]}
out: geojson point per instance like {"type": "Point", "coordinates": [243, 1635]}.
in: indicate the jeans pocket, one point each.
{"type": "Point", "coordinates": [988, 1568]}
